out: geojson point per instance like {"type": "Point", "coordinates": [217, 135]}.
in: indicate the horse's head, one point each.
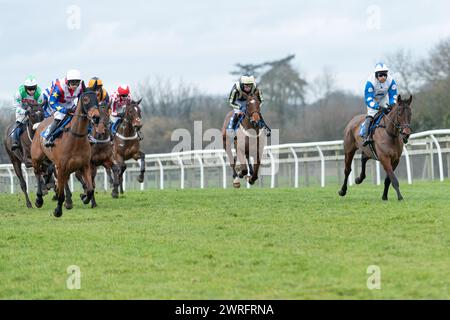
{"type": "Point", "coordinates": [36, 114]}
{"type": "Point", "coordinates": [133, 114]}
{"type": "Point", "coordinates": [403, 114]}
{"type": "Point", "coordinates": [89, 103]}
{"type": "Point", "coordinates": [254, 112]}
{"type": "Point", "coordinates": [101, 124]}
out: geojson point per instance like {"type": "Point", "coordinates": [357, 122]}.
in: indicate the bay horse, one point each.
{"type": "Point", "coordinates": [72, 151]}
{"type": "Point", "coordinates": [392, 132]}
{"type": "Point", "coordinates": [101, 149]}
{"type": "Point", "coordinates": [126, 146]}
{"type": "Point", "coordinates": [249, 141]}
{"type": "Point", "coordinates": [22, 154]}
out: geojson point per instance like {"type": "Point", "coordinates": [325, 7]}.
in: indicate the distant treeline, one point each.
{"type": "Point", "coordinates": [170, 105]}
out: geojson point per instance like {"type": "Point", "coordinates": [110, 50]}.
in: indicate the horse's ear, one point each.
{"type": "Point", "coordinates": [399, 99]}
{"type": "Point", "coordinates": [95, 86]}
{"type": "Point", "coordinates": [410, 99]}
{"type": "Point", "coordinates": [83, 87]}
{"type": "Point", "coordinates": [139, 101]}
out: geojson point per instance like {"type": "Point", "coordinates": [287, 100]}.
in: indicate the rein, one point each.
{"type": "Point", "coordinates": [399, 127]}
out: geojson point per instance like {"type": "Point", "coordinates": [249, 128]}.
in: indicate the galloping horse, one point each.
{"type": "Point", "coordinates": [126, 145]}
{"type": "Point", "coordinates": [72, 151]}
{"type": "Point", "coordinates": [101, 149]}
{"type": "Point", "coordinates": [248, 141]}
{"type": "Point", "coordinates": [22, 154]}
{"type": "Point", "coordinates": [393, 131]}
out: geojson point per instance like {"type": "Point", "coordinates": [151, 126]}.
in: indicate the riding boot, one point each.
{"type": "Point", "coordinates": [366, 134]}
{"type": "Point", "coordinates": [16, 136]}
{"type": "Point", "coordinates": [50, 141]}
{"type": "Point", "coordinates": [235, 121]}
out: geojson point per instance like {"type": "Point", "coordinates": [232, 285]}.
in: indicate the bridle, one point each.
{"type": "Point", "coordinates": [92, 120]}
{"type": "Point", "coordinates": [127, 120]}
{"type": "Point", "coordinates": [399, 128]}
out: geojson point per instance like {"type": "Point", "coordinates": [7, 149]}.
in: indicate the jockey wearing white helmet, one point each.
{"type": "Point", "coordinates": [238, 101]}
{"type": "Point", "coordinates": [63, 98]}
{"type": "Point", "coordinates": [380, 92]}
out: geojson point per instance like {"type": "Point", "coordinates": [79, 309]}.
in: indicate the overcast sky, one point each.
{"type": "Point", "coordinates": [200, 41]}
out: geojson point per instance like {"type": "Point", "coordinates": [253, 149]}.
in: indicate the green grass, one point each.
{"type": "Point", "coordinates": [231, 244]}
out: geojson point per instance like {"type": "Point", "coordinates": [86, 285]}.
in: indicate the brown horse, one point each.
{"type": "Point", "coordinates": [126, 145]}
{"type": "Point", "coordinates": [393, 131]}
{"type": "Point", "coordinates": [249, 141]}
{"type": "Point", "coordinates": [22, 154]}
{"type": "Point", "coordinates": [101, 149]}
{"type": "Point", "coordinates": [72, 151]}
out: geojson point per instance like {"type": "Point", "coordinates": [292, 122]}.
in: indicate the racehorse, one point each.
{"type": "Point", "coordinates": [126, 146]}
{"type": "Point", "coordinates": [101, 149]}
{"type": "Point", "coordinates": [71, 152]}
{"type": "Point", "coordinates": [22, 154]}
{"type": "Point", "coordinates": [393, 131]}
{"type": "Point", "coordinates": [249, 141]}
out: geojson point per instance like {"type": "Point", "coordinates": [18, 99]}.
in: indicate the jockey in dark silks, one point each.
{"type": "Point", "coordinates": [238, 101]}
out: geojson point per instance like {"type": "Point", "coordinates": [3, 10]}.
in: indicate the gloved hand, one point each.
{"type": "Point", "coordinates": [27, 112]}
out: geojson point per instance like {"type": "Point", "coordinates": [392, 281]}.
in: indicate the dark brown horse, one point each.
{"type": "Point", "coordinates": [101, 149]}
{"type": "Point", "coordinates": [22, 154]}
{"type": "Point", "coordinates": [72, 151]}
{"type": "Point", "coordinates": [394, 130]}
{"type": "Point", "coordinates": [249, 141]}
{"type": "Point", "coordinates": [126, 145]}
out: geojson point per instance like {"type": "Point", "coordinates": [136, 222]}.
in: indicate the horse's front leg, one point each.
{"type": "Point", "coordinates": [93, 175]}
{"type": "Point", "coordinates": [116, 169]}
{"type": "Point", "coordinates": [391, 178]}
{"type": "Point", "coordinates": [62, 180]}
{"type": "Point", "coordinates": [68, 204]}
{"type": "Point", "coordinates": [39, 198]}
{"type": "Point", "coordinates": [87, 177]}
{"type": "Point", "coordinates": [142, 167]}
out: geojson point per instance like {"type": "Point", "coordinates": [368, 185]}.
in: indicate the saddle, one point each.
{"type": "Point", "coordinates": [59, 130]}
{"type": "Point", "coordinates": [375, 123]}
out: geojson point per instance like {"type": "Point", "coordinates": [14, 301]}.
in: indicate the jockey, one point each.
{"type": "Point", "coordinates": [102, 94]}
{"type": "Point", "coordinates": [380, 92]}
{"type": "Point", "coordinates": [119, 100]}
{"type": "Point", "coordinates": [238, 101]}
{"type": "Point", "coordinates": [28, 94]}
{"type": "Point", "coordinates": [63, 96]}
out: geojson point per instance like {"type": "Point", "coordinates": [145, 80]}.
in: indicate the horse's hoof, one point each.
{"type": "Point", "coordinates": [342, 193]}
{"type": "Point", "coordinates": [57, 213]}
{"type": "Point", "coordinates": [68, 205]}
{"type": "Point", "coordinates": [358, 180]}
{"type": "Point", "coordinates": [55, 198]}
{"type": "Point", "coordinates": [400, 198]}
{"type": "Point", "coordinates": [237, 185]}
{"type": "Point", "coordinates": [85, 199]}
{"type": "Point", "coordinates": [94, 205]}
{"type": "Point", "coordinates": [39, 202]}
{"type": "Point", "coordinates": [140, 179]}
{"type": "Point", "coordinates": [29, 205]}
{"type": "Point", "coordinates": [384, 198]}
{"type": "Point", "coordinates": [115, 195]}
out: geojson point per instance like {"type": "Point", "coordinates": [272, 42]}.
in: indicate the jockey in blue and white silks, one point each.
{"type": "Point", "coordinates": [380, 92]}
{"type": "Point", "coordinates": [63, 98]}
